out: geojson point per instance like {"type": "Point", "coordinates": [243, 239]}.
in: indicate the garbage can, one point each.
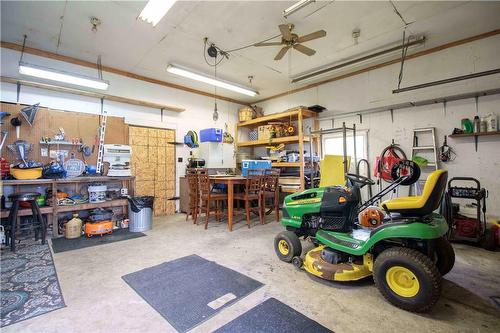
{"type": "Point", "coordinates": [140, 213]}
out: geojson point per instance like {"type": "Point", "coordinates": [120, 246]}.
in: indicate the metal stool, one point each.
{"type": "Point", "coordinates": [38, 224]}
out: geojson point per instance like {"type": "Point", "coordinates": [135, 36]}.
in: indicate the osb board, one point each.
{"type": "Point", "coordinates": [47, 123]}
{"type": "Point", "coordinates": [153, 165]}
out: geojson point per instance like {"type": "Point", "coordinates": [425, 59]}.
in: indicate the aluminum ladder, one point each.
{"type": "Point", "coordinates": [430, 149]}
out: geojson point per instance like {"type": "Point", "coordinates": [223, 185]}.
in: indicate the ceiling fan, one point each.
{"type": "Point", "coordinates": [290, 40]}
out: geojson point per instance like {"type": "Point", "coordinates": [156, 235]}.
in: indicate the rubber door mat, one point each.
{"type": "Point", "coordinates": [189, 290]}
{"type": "Point", "coordinates": [273, 316]}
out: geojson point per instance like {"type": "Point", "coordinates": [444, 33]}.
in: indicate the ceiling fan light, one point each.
{"type": "Point", "coordinates": [209, 80]}
{"type": "Point", "coordinates": [296, 6]}
{"type": "Point", "coordinates": [60, 76]}
{"type": "Point", "coordinates": [155, 10]}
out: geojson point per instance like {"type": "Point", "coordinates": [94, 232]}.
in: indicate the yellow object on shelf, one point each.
{"type": "Point", "coordinates": [25, 174]}
{"type": "Point", "coordinates": [332, 170]}
{"type": "Point", "coordinates": [246, 113]}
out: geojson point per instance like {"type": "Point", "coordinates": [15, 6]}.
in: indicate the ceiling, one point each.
{"type": "Point", "coordinates": [133, 45]}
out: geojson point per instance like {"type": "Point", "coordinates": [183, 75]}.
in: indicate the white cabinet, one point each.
{"type": "Point", "coordinates": [217, 154]}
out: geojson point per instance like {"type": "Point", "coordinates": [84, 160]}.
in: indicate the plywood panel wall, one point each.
{"type": "Point", "coordinates": [47, 123]}
{"type": "Point", "coordinates": [153, 165]}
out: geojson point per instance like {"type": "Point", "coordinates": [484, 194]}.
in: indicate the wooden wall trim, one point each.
{"type": "Point", "coordinates": [89, 94]}
{"type": "Point", "coordinates": [84, 63]}
{"type": "Point", "coordinates": [387, 63]}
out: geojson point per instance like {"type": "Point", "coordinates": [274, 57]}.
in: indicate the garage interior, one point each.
{"type": "Point", "coordinates": [250, 166]}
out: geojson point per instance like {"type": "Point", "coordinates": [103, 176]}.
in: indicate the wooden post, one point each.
{"type": "Point", "coordinates": [301, 149]}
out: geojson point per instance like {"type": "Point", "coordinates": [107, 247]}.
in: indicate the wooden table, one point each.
{"type": "Point", "coordinates": [230, 182]}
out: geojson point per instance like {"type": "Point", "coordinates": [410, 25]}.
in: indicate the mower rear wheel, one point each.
{"type": "Point", "coordinates": [445, 256]}
{"type": "Point", "coordinates": [407, 278]}
{"type": "Point", "coordinates": [287, 245]}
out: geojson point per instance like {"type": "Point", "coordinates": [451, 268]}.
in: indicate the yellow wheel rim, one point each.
{"type": "Point", "coordinates": [283, 247]}
{"type": "Point", "coordinates": [402, 281]}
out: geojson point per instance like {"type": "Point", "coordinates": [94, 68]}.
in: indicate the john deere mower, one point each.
{"type": "Point", "coordinates": [401, 243]}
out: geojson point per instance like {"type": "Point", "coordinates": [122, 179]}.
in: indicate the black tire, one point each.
{"type": "Point", "coordinates": [297, 262]}
{"type": "Point", "coordinates": [427, 287]}
{"type": "Point", "coordinates": [487, 242]}
{"type": "Point", "coordinates": [445, 255]}
{"type": "Point", "coordinates": [287, 245]}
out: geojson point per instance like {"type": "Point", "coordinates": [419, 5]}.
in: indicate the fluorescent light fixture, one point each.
{"type": "Point", "coordinates": [212, 81]}
{"type": "Point", "coordinates": [55, 75]}
{"type": "Point", "coordinates": [371, 58]}
{"type": "Point", "coordinates": [155, 10]}
{"type": "Point", "coordinates": [296, 6]}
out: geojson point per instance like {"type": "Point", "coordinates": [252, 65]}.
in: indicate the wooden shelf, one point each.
{"type": "Point", "coordinates": [293, 114]}
{"type": "Point", "coordinates": [111, 203]}
{"type": "Point", "coordinates": [285, 139]}
{"type": "Point", "coordinates": [26, 211]}
{"type": "Point", "coordinates": [286, 164]}
{"type": "Point", "coordinates": [290, 190]}
{"type": "Point", "coordinates": [465, 135]}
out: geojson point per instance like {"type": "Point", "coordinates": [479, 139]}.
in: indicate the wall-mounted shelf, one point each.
{"type": "Point", "coordinates": [65, 143]}
{"type": "Point", "coordinates": [475, 135]}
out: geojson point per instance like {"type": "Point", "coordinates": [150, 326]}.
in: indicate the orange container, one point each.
{"type": "Point", "coordinates": [98, 228]}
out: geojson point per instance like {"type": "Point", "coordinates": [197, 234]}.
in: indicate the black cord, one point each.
{"type": "Point", "coordinates": [404, 51]}
{"type": "Point", "coordinates": [253, 44]}
{"type": "Point", "coordinates": [22, 51]}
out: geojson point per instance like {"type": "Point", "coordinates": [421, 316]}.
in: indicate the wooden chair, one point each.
{"type": "Point", "coordinates": [251, 193]}
{"type": "Point", "coordinates": [194, 194]}
{"type": "Point", "coordinates": [207, 198]}
{"type": "Point", "coordinates": [271, 193]}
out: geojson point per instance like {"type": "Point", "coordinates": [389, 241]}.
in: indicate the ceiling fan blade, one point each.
{"type": "Point", "coordinates": [285, 31]}
{"type": "Point", "coordinates": [268, 44]}
{"type": "Point", "coordinates": [304, 49]}
{"type": "Point", "coordinates": [281, 53]}
{"type": "Point", "coordinates": [311, 36]}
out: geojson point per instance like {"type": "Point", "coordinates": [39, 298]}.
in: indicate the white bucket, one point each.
{"type": "Point", "coordinates": [97, 193]}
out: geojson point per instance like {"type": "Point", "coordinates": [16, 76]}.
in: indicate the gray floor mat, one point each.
{"type": "Point", "coordinates": [273, 316]}
{"type": "Point", "coordinates": [62, 244]}
{"type": "Point", "coordinates": [189, 290]}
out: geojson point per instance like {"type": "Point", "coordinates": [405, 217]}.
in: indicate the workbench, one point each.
{"type": "Point", "coordinates": [77, 183]}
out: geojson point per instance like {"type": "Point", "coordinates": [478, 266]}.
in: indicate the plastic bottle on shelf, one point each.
{"type": "Point", "coordinates": [477, 124]}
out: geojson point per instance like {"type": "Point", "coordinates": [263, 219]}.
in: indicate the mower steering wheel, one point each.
{"type": "Point", "coordinates": [358, 179]}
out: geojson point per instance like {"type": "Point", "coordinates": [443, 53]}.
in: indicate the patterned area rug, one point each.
{"type": "Point", "coordinates": [29, 284]}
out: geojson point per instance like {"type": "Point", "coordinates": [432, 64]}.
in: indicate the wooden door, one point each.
{"type": "Point", "coordinates": [153, 165]}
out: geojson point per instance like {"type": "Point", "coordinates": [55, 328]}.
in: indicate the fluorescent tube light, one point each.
{"type": "Point", "coordinates": [296, 6]}
{"type": "Point", "coordinates": [212, 81]}
{"type": "Point", "coordinates": [155, 10]}
{"type": "Point", "coordinates": [55, 75]}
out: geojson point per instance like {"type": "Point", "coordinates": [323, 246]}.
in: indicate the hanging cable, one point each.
{"type": "Point", "coordinates": [215, 115]}
{"type": "Point", "coordinates": [22, 50]}
{"type": "Point", "coordinates": [253, 44]}
{"type": "Point", "coordinates": [99, 67]}
{"type": "Point", "coordinates": [404, 51]}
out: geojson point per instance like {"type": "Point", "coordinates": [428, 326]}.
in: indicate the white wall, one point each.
{"type": "Point", "coordinates": [374, 89]}
{"type": "Point", "coordinates": [197, 114]}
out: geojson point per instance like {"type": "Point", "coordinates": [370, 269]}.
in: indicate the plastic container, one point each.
{"type": "Point", "coordinates": [97, 193]}
{"type": "Point", "coordinates": [211, 135]}
{"type": "Point", "coordinates": [477, 124]}
{"type": "Point", "coordinates": [26, 174]}
{"type": "Point", "coordinates": [140, 213]}
{"type": "Point", "coordinates": [491, 122]}
{"type": "Point", "coordinates": [254, 164]}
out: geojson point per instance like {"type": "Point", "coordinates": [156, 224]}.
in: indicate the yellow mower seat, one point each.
{"type": "Point", "coordinates": [424, 204]}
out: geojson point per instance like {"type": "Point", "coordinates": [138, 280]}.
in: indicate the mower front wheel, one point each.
{"type": "Point", "coordinates": [287, 245]}
{"type": "Point", "coordinates": [407, 278]}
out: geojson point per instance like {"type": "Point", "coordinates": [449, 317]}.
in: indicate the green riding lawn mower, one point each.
{"type": "Point", "coordinates": [401, 243]}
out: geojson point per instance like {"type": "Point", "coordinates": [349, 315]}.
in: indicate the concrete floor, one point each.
{"type": "Point", "coordinates": [98, 300]}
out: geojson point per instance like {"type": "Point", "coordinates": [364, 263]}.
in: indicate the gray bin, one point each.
{"type": "Point", "coordinates": [140, 213]}
{"type": "Point", "coordinates": [142, 221]}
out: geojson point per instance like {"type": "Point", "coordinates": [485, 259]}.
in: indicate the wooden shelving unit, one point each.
{"type": "Point", "coordinates": [296, 114]}
{"type": "Point", "coordinates": [54, 210]}
{"type": "Point", "coordinates": [474, 135]}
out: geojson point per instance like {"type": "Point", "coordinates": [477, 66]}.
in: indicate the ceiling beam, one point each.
{"type": "Point", "coordinates": [386, 63]}
{"type": "Point", "coordinates": [84, 63]}
{"type": "Point", "coordinates": [89, 94]}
